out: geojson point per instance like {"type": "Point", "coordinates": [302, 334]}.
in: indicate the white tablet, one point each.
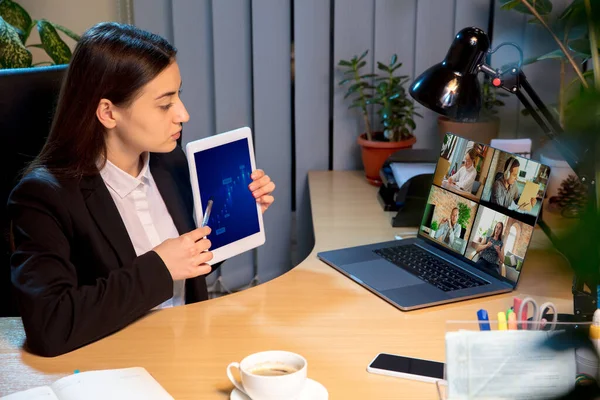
{"type": "Point", "coordinates": [220, 168]}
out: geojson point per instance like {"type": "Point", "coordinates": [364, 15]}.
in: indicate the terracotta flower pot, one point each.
{"type": "Point", "coordinates": [481, 131]}
{"type": "Point", "coordinates": [374, 154]}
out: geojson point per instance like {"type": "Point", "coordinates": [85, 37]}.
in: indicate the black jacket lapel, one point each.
{"type": "Point", "coordinates": [171, 192]}
{"type": "Point", "coordinates": [103, 210]}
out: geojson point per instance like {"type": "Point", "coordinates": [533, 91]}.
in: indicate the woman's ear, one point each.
{"type": "Point", "coordinates": [105, 112]}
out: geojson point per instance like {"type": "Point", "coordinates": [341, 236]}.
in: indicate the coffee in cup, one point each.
{"type": "Point", "coordinates": [270, 375]}
{"type": "Point", "coordinates": [272, 369]}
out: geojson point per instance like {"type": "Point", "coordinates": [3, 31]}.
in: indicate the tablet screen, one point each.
{"type": "Point", "coordinates": [223, 176]}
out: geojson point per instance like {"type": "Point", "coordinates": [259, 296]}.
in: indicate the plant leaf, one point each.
{"type": "Point", "coordinates": [393, 60]}
{"type": "Point", "coordinates": [368, 76]}
{"type": "Point", "coordinates": [344, 63]}
{"type": "Point", "coordinates": [16, 16]}
{"type": "Point", "coordinates": [581, 46]}
{"type": "Point", "coordinates": [361, 64]}
{"type": "Point", "coordinates": [67, 31]}
{"type": "Point", "coordinates": [363, 55]}
{"type": "Point", "coordinates": [13, 53]}
{"type": "Point", "coordinates": [556, 54]}
{"type": "Point", "coordinates": [381, 66]}
{"type": "Point", "coordinates": [575, 7]}
{"type": "Point", "coordinates": [396, 67]}
{"type": "Point", "coordinates": [543, 7]}
{"type": "Point", "coordinates": [510, 4]}
{"type": "Point", "coordinates": [56, 48]}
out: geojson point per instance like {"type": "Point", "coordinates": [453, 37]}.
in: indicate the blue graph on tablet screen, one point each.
{"type": "Point", "coordinates": [224, 175]}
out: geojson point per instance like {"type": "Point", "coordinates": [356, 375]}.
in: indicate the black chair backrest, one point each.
{"type": "Point", "coordinates": [27, 102]}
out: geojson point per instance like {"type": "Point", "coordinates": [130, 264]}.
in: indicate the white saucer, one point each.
{"type": "Point", "coordinates": [312, 390]}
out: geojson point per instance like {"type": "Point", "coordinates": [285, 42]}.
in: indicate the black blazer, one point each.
{"type": "Point", "coordinates": [74, 268]}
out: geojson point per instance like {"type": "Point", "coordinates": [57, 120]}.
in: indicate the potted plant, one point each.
{"type": "Point", "coordinates": [16, 25]}
{"type": "Point", "coordinates": [570, 30]}
{"type": "Point", "coordinates": [486, 127]}
{"type": "Point", "coordinates": [464, 215]}
{"type": "Point", "coordinates": [393, 107]}
{"type": "Point", "coordinates": [433, 229]}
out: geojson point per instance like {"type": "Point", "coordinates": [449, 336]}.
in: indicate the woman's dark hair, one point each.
{"type": "Point", "coordinates": [111, 61]}
{"type": "Point", "coordinates": [502, 230]}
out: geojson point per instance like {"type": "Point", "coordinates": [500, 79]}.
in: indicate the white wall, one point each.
{"type": "Point", "coordinates": [77, 15]}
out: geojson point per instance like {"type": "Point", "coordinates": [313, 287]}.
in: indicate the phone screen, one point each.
{"type": "Point", "coordinates": [407, 365]}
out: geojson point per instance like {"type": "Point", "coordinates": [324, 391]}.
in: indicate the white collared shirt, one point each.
{"type": "Point", "coordinates": [144, 214]}
{"type": "Point", "coordinates": [464, 178]}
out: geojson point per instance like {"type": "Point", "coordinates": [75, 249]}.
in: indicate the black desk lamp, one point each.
{"type": "Point", "coordinates": [451, 88]}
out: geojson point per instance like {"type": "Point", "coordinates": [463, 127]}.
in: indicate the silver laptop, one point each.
{"type": "Point", "coordinates": [474, 233]}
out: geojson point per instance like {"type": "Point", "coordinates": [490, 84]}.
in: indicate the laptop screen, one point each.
{"type": "Point", "coordinates": [483, 205]}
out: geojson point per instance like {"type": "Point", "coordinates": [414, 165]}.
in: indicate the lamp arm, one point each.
{"type": "Point", "coordinates": [556, 128]}
{"type": "Point", "coordinates": [517, 84]}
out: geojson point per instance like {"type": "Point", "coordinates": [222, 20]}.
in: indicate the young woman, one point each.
{"type": "Point", "coordinates": [103, 219]}
{"type": "Point", "coordinates": [492, 251]}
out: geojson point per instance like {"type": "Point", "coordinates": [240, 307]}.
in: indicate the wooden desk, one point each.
{"type": "Point", "coordinates": [313, 310]}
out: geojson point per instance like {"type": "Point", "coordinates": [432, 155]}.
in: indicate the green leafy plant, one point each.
{"type": "Point", "coordinates": [15, 27]}
{"type": "Point", "coordinates": [397, 111]}
{"type": "Point", "coordinates": [576, 31]}
{"type": "Point", "coordinates": [434, 226]}
{"type": "Point", "coordinates": [389, 96]}
{"type": "Point", "coordinates": [360, 88]}
{"type": "Point", "coordinates": [464, 214]}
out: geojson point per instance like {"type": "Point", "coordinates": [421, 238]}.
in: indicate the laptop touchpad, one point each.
{"type": "Point", "coordinates": [381, 274]}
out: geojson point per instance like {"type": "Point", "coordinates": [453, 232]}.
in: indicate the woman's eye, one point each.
{"type": "Point", "coordinates": [166, 107]}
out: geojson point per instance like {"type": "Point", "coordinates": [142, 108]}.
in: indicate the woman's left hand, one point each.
{"type": "Point", "coordinates": [261, 188]}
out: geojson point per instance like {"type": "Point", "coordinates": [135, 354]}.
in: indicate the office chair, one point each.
{"type": "Point", "coordinates": [475, 188]}
{"type": "Point", "coordinates": [27, 105]}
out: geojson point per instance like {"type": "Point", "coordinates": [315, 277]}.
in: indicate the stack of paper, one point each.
{"type": "Point", "coordinates": [506, 365]}
{"type": "Point", "coordinates": [404, 171]}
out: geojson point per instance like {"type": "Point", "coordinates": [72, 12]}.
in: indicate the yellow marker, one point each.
{"type": "Point", "coordinates": [512, 321]}
{"type": "Point", "coordinates": [501, 321]}
{"type": "Point", "coordinates": [595, 330]}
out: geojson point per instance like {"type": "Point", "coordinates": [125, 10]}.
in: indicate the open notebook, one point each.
{"type": "Point", "coordinates": [115, 384]}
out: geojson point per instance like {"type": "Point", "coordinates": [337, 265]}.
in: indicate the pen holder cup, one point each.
{"type": "Point", "coordinates": [484, 362]}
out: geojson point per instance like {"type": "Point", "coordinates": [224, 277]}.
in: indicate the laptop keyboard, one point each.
{"type": "Point", "coordinates": [429, 268]}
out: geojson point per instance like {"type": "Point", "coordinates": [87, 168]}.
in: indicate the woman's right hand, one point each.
{"type": "Point", "coordinates": [187, 256]}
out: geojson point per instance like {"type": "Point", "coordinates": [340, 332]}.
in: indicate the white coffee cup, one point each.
{"type": "Point", "coordinates": [259, 386]}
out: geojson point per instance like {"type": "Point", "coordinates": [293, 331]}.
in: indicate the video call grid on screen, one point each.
{"type": "Point", "coordinates": [234, 214]}
{"type": "Point", "coordinates": [477, 189]}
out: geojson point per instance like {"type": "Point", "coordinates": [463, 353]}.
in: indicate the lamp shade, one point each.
{"type": "Point", "coordinates": [451, 88]}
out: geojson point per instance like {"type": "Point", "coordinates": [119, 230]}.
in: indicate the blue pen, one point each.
{"type": "Point", "coordinates": [482, 317]}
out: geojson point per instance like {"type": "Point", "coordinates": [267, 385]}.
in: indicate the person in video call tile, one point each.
{"type": "Point", "coordinates": [449, 229]}
{"type": "Point", "coordinates": [491, 252]}
{"type": "Point", "coordinates": [504, 191]}
{"type": "Point", "coordinates": [466, 174]}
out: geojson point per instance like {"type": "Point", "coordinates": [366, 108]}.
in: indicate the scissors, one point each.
{"type": "Point", "coordinates": [538, 322]}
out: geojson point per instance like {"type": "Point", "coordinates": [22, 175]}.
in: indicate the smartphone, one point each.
{"type": "Point", "coordinates": [407, 367]}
